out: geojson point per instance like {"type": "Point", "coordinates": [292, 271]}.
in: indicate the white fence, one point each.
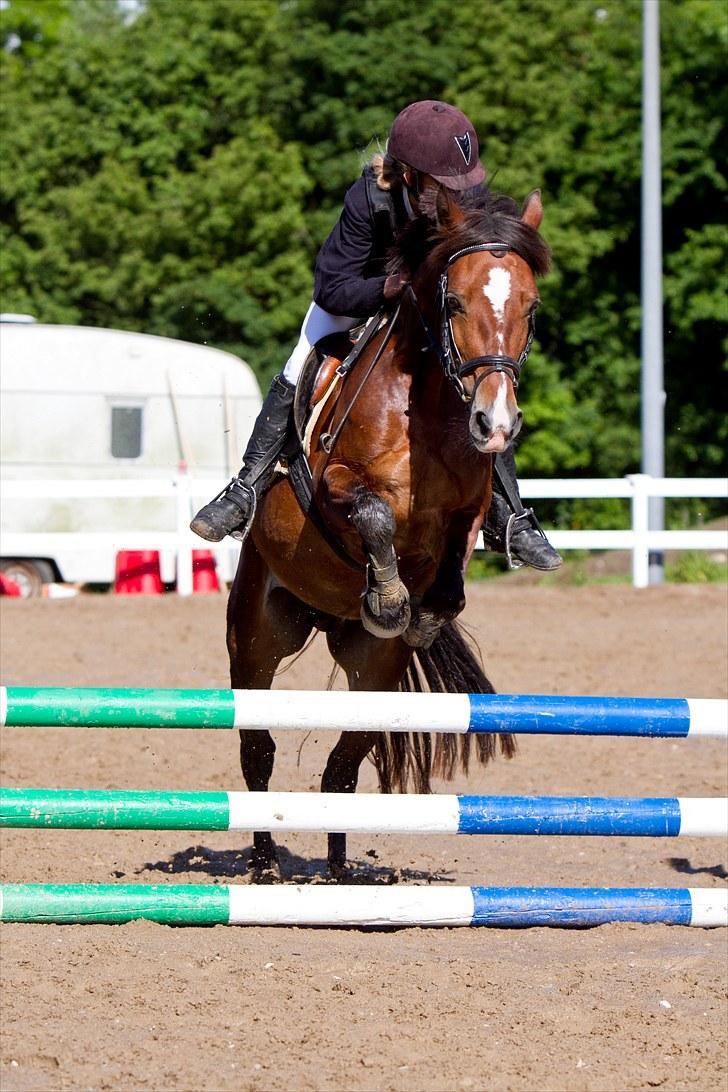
{"type": "Point", "coordinates": [638, 488]}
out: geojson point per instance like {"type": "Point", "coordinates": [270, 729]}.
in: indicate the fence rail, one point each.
{"type": "Point", "coordinates": [637, 488]}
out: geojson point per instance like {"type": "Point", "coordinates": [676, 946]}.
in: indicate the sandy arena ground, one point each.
{"type": "Point", "coordinates": [144, 1006]}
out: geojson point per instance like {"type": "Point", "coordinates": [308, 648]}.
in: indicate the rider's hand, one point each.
{"type": "Point", "coordinates": [394, 285]}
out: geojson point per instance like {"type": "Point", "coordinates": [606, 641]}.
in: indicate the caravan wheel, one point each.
{"type": "Point", "coordinates": [30, 576]}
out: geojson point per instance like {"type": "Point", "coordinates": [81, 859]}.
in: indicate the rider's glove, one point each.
{"type": "Point", "coordinates": [394, 285]}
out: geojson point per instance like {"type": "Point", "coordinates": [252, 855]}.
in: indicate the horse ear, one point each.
{"type": "Point", "coordinates": [532, 212]}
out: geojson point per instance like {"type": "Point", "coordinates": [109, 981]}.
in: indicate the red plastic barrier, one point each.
{"type": "Point", "coordinates": [204, 572]}
{"type": "Point", "coordinates": [137, 573]}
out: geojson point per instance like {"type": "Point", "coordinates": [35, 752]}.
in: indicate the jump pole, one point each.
{"type": "Point", "coordinates": [663, 817]}
{"type": "Point", "coordinates": [370, 905]}
{"type": "Point", "coordinates": [305, 710]}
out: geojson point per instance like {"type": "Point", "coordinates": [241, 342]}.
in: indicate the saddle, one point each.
{"type": "Point", "coordinates": [327, 367]}
{"type": "Point", "coordinates": [320, 385]}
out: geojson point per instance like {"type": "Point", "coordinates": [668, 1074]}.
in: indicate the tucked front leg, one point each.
{"type": "Point", "coordinates": [385, 609]}
{"type": "Point", "coordinates": [441, 603]}
{"type": "Point", "coordinates": [444, 600]}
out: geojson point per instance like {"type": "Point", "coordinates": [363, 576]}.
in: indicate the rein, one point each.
{"type": "Point", "coordinates": [446, 349]}
{"type": "Point", "coordinates": [327, 440]}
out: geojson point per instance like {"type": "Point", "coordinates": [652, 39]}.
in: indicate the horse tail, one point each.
{"type": "Point", "coordinates": [448, 666]}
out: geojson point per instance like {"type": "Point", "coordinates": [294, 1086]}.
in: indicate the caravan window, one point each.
{"type": "Point", "coordinates": [126, 432]}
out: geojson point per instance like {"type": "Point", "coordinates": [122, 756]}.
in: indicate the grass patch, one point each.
{"type": "Point", "coordinates": [582, 569]}
{"type": "Point", "coordinates": [697, 567]}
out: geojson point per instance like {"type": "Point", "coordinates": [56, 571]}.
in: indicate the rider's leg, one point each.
{"type": "Point", "coordinates": [317, 325]}
{"type": "Point", "coordinates": [510, 528]}
{"type": "Point", "coordinates": [232, 511]}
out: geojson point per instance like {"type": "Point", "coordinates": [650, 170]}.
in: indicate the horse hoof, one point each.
{"type": "Point", "coordinates": [419, 636]}
{"type": "Point", "coordinates": [425, 627]}
{"type": "Point", "coordinates": [339, 870]}
{"type": "Point", "coordinates": [386, 623]}
{"type": "Point", "coordinates": [264, 871]}
{"type": "Point", "coordinates": [266, 875]}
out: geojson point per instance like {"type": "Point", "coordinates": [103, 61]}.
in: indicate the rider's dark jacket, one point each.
{"type": "Point", "coordinates": [349, 275]}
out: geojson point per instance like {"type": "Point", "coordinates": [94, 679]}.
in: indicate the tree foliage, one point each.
{"type": "Point", "coordinates": [175, 172]}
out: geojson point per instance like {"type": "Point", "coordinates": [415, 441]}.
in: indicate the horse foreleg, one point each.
{"type": "Point", "coordinates": [444, 600]}
{"type": "Point", "coordinates": [441, 603]}
{"type": "Point", "coordinates": [385, 609]}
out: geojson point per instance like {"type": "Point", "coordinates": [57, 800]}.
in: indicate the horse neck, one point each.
{"type": "Point", "coordinates": [419, 330]}
{"type": "Point", "coordinates": [437, 418]}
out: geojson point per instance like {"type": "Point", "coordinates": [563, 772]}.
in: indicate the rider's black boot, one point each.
{"type": "Point", "coordinates": [511, 529]}
{"type": "Point", "coordinates": [232, 511]}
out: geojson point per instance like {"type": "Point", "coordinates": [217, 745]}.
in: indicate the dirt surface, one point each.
{"type": "Point", "coordinates": [144, 1006]}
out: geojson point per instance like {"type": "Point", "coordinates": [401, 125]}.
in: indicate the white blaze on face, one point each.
{"type": "Point", "coordinates": [498, 291]}
{"type": "Point", "coordinates": [500, 414]}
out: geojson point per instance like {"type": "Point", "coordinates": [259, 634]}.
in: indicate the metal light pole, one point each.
{"type": "Point", "coordinates": [653, 393]}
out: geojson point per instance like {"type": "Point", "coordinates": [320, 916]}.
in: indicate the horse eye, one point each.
{"type": "Point", "coordinates": [454, 304]}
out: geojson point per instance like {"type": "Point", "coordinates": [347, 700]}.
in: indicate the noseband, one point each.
{"type": "Point", "coordinates": [454, 367]}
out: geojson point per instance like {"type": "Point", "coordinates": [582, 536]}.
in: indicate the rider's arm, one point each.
{"type": "Point", "coordinates": [347, 280]}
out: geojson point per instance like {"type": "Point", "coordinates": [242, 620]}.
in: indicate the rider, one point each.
{"type": "Point", "coordinates": [427, 138]}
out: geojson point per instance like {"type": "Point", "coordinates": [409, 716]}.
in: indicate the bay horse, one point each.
{"type": "Point", "coordinates": [404, 483]}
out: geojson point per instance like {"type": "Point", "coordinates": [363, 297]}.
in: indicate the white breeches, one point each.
{"type": "Point", "coordinates": [317, 324]}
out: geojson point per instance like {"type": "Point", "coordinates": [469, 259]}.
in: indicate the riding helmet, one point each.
{"type": "Point", "coordinates": [438, 139]}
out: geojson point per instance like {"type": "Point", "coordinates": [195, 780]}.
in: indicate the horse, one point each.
{"type": "Point", "coordinates": [401, 468]}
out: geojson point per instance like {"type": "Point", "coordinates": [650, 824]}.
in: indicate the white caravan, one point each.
{"type": "Point", "coordinates": [85, 403]}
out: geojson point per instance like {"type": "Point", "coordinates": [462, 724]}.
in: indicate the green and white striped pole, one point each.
{"type": "Point", "coordinates": [372, 905]}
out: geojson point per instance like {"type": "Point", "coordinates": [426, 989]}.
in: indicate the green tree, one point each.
{"type": "Point", "coordinates": [29, 27]}
{"type": "Point", "coordinates": [177, 173]}
{"type": "Point", "coordinates": [559, 105]}
{"type": "Point", "coordinates": [148, 188]}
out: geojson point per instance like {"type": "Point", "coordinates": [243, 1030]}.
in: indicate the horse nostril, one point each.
{"type": "Point", "coordinates": [481, 420]}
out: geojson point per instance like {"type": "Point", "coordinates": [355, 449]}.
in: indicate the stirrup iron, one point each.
{"type": "Point", "coordinates": [531, 522]}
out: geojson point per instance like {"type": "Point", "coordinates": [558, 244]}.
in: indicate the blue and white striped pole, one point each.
{"type": "Point", "coordinates": [102, 809]}
{"type": "Point", "coordinates": [305, 710]}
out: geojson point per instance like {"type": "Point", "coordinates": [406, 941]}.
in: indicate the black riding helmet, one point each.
{"type": "Point", "coordinates": [437, 139]}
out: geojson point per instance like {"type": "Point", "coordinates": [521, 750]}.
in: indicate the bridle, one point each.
{"type": "Point", "coordinates": [446, 349]}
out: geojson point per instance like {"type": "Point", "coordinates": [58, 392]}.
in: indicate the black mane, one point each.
{"type": "Point", "coordinates": [488, 218]}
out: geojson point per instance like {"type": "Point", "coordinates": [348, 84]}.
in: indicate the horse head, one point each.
{"type": "Point", "coordinates": [476, 291]}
